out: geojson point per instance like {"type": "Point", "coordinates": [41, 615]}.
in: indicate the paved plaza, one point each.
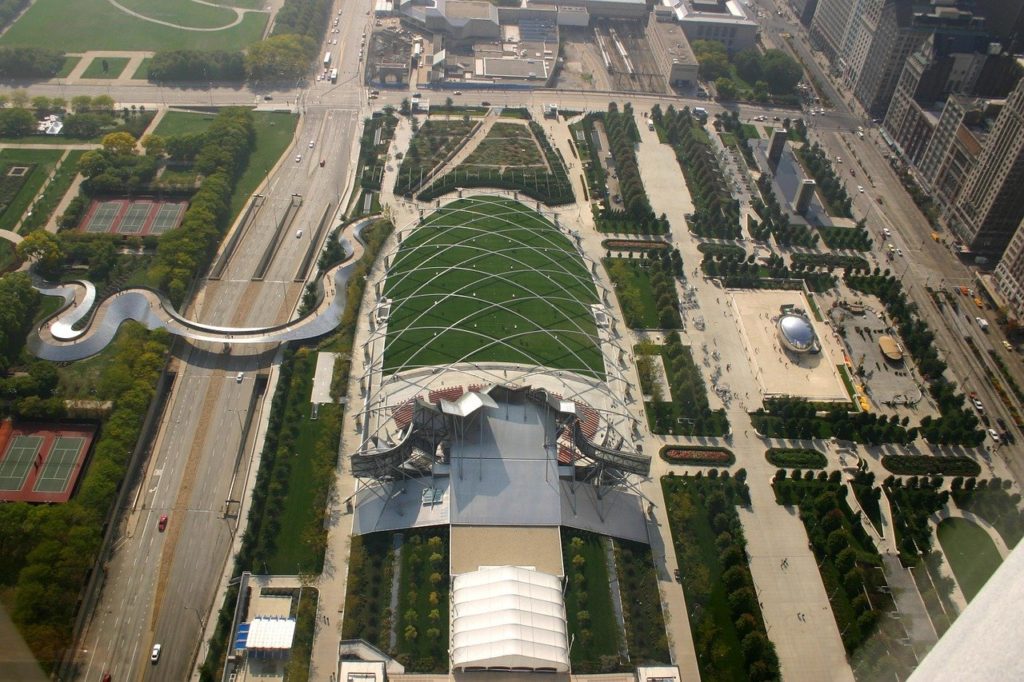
{"type": "Point", "coordinates": [780, 372]}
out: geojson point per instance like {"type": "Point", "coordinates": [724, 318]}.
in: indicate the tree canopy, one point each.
{"type": "Point", "coordinates": [279, 58]}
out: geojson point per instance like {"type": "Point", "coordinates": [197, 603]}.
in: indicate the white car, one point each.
{"type": "Point", "coordinates": [977, 405]}
{"type": "Point", "coordinates": [154, 656]}
{"type": "Point", "coordinates": [311, 143]}
{"type": "Point", "coordinates": [298, 234]}
{"type": "Point", "coordinates": [994, 436]}
{"type": "Point", "coordinates": [298, 158]}
{"type": "Point", "coordinates": [860, 188]}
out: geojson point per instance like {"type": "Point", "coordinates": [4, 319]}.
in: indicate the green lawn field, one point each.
{"type": "Point", "coordinates": [274, 132]}
{"type": "Point", "coordinates": [99, 25]}
{"type": "Point", "coordinates": [42, 161]}
{"type": "Point", "coordinates": [182, 122]}
{"type": "Point", "coordinates": [519, 293]}
{"type": "Point", "coordinates": [115, 65]}
{"type": "Point", "coordinates": [970, 552]}
{"type": "Point", "coordinates": [142, 73]}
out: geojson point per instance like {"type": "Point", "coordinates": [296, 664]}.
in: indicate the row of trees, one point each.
{"type": "Point", "coordinates": [912, 506]}
{"type": "Point", "coordinates": [622, 139]}
{"type": "Point", "coordinates": [373, 157]}
{"type": "Point", "coordinates": [797, 418]}
{"type": "Point", "coordinates": [856, 238]}
{"type": "Point", "coordinates": [27, 62]}
{"type": "Point", "coordinates": [745, 273]}
{"type": "Point", "coordinates": [689, 412]}
{"type": "Point", "coordinates": [735, 646]}
{"type": "Point", "coordinates": [716, 213]}
{"type": "Point", "coordinates": [184, 252]}
{"type": "Point", "coordinates": [845, 555]}
{"type": "Point", "coordinates": [48, 551]}
{"type": "Point", "coordinates": [18, 305]}
{"type": "Point", "coordinates": [196, 65]}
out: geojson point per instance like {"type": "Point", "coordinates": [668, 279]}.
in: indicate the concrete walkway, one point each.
{"type": "Point", "coordinates": [809, 646]}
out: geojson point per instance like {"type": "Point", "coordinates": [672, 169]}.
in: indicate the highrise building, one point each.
{"type": "Point", "coordinates": [1004, 20]}
{"type": "Point", "coordinates": [804, 10]}
{"type": "Point", "coordinates": [990, 206]}
{"type": "Point", "coordinates": [828, 27]}
{"type": "Point", "coordinates": [953, 150]}
{"type": "Point", "coordinates": [1010, 273]}
{"type": "Point", "coordinates": [946, 63]}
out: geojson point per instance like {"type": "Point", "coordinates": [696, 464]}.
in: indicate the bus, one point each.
{"type": "Point", "coordinates": [327, 60]}
{"type": "Point", "coordinates": [334, 75]}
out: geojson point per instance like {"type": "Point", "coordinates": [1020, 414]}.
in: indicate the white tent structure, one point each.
{"type": "Point", "coordinates": [508, 618]}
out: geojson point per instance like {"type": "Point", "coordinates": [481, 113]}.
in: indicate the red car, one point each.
{"type": "Point", "coordinates": [163, 523]}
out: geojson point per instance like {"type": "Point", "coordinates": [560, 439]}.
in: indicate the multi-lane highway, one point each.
{"type": "Point", "coordinates": [160, 587]}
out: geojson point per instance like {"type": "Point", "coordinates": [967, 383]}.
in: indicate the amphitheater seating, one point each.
{"type": "Point", "coordinates": [589, 419]}
{"type": "Point", "coordinates": [450, 393]}
{"type": "Point", "coordinates": [402, 414]}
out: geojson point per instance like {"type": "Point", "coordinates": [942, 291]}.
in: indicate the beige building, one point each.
{"type": "Point", "coordinates": [672, 51]}
{"type": "Point", "coordinates": [1010, 273]}
{"type": "Point", "coordinates": [991, 205]}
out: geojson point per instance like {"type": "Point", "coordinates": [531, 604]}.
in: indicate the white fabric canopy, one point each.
{"type": "Point", "coordinates": [508, 617]}
{"type": "Point", "coordinates": [271, 633]}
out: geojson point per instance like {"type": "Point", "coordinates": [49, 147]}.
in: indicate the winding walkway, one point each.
{"type": "Point", "coordinates": [239, 16]}
{"type": "Point", "coordinates": [57, 339]}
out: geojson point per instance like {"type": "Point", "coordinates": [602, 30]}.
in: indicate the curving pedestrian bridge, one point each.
{"type": "Point", "coordinates": [80, 328]}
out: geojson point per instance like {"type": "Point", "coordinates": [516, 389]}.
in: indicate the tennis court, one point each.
{"type": "Point", "coordinates": [102, 215]}
{"type": "Point", "coordinates": [60, 463]}
{"type": "Point", "coordinates": [168, 216]}
{"type": "Point", "coordinates": [17, 462]}
{"type": "Point", "coordinates": [135, 218]}
{"type": "Point", "coordinates": [42, 462]}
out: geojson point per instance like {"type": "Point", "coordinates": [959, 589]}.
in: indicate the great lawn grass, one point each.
{"type": "Point", "coordinates": [142, 73]}
{"type": "Point", "coordinates": [181, 122]}
{"type": "Point", "coordinates": [53, 193]}
{"type": "Point", "coordinates": [115, 65]}
{"type": "Point", "coordinates": [970, 553]}
{"type": "Point", "coordinates": [274, 132]}
{"type": "Point", "coordinates": [632, 284]}
{"type": "Point", "coordinates": [604, 630]}
{"type": "Point", "coordinates": [69, 65]}
{"type": "Point", "coordinates": [42, 161]}
{"type": "Point", "coordinates": [99, 25]}
{"type": "Point", "coordinates": [520, 294]}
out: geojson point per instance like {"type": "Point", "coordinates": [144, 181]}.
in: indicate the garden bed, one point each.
{"type": "Point", "coordinates": [796, 458]}
{"type": "Point", "coordinates": [642, 245]}
{"type": "Point", "coordinates": [907, 465]}
{"type": "Point", "coordinates": [697, 455]}
{"type": "Point", "coordinates": [588, 603]}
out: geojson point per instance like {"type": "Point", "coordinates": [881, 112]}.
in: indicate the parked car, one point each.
{"type": "Point", "coordinates": [994, 436]}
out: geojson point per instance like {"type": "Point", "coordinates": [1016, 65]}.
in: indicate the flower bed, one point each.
{"type": "Point", "coordinates": [924, 464]}
{"type": "Point", "coordinates": [634, 245]}
{"type": "Point", "coordinates": [680, 454]}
